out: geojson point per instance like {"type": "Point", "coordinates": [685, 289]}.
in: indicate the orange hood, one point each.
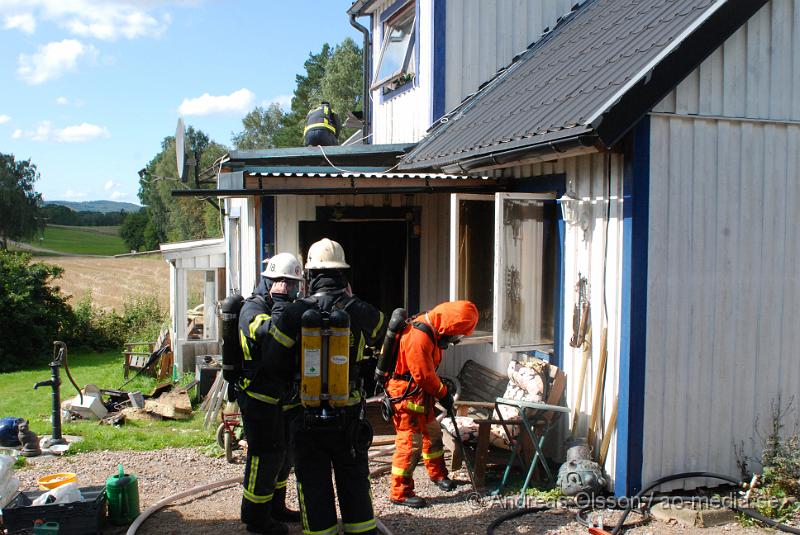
{"type": "Point", "coordinates": [454, 318]}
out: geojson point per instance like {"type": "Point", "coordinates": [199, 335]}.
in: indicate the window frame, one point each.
{"type": "Point", "coordinates": [498, 265]}
{"type": "Point", "coordinates": [409, 66]}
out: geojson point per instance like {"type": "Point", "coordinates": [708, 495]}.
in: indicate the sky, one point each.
{"type": "Point", "coordinates": [89, 88]}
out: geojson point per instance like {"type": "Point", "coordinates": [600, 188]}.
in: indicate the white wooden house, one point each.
{"type": "Point", "coordinates": [669, 130]}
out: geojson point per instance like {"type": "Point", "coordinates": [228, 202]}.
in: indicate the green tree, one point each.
{"type": "Point", "coordinates": [260, 126]}
{"type": "Point", "coordinates": [306, 95]}
{"type": "Point", "coordinates": [35, 312]}
{"type": "Point", "coordinates": [178, 218]}
{"type": "Point", "coordinates": [132, 228]}
{"type": "Point", "coordinates": [334, 75]}
{"type": "Point", "coordinates": [18, 200]}
{"type": "Point", "coordinates": [342, 83]}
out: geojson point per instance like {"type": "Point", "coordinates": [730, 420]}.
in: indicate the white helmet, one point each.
{"type": "Point", "coordinates": [283, 266]}
{"type": "Point", "coordinates": [326, 254]}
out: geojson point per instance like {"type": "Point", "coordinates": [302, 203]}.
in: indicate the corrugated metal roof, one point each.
{"type": "Point", "coordinates": [563, 84]}
{"type": "Point", "coordinates": [378, 175]}
{"type": "Point", "coordinates": [314, 152]}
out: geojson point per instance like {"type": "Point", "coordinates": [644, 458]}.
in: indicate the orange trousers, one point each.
{"type": "Point", "coordinates": [416, 433]}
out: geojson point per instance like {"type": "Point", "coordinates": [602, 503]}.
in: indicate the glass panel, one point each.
{"type": "Point", "coordinates": [527, 263]}
{"type": "Point", "coordinates": [475, 257]}
{"type": "Point", "coordinates": [200, 303]}
{"type": "Point", "coordinates": [396, 48]}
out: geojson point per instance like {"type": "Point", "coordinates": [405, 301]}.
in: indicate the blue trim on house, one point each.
{"type": "Point", "coordinates": [267, 233]}
{"type": "Point", "coordinates": [558, 290]}
{"type": "Point", "coordinates": [438, 67]}
{"type": "Point", "coordinates": [633, 327]}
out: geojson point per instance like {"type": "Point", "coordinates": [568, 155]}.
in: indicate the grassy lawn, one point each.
{"type": "Point", "coordinates": [82, 240]}
{"type": "Point", "coordinates": [104, 370]}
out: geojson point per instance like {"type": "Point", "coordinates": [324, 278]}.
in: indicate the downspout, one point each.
{"type": "Point", "coordinates": [365, 106]}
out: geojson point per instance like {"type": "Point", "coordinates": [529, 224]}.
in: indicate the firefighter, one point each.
{"type": "Point", "coordinates": [260, 395]}
{"type": "Point", "coordinates": [415, 387]}
{"type": "Point", "coordinates": [322, 126]}
{"type": "Point", "coordinates": [329, 436]}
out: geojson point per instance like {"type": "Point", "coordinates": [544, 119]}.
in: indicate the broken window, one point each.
{"type": "Point", "coordinates": [504, 260]}
{"type": "Point", "coordinates": [395, 66]}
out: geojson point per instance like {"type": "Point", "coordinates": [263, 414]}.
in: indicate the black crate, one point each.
{"type": "Point", "coordinates": [77, 518]}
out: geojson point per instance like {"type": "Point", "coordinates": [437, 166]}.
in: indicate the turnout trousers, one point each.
{"type": "Point", "coordinates": [317, 450]}
{"type": "Point", "coordinates": [416, 433]}
{"type": "Point", "coordinates": [267, 465]}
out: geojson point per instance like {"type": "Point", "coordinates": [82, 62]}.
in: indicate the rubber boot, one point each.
{"type": "Point", "coordinates": [411, 501]}
{"type": "Point", "coordinates": [258, 519]}
{"type": "Point", "coordinates": [279, 509]}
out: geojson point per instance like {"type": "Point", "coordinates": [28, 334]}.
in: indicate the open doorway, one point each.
{"type": "Point", "coordinates": [376, 252]}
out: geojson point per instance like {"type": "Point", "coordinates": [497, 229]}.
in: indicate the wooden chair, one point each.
{"type": "Point", "coordinates": [480, 390]}
{"type": "Point", "coordinates": [478, 387]}
{"type": "Point", "coordinates": [136, 358]}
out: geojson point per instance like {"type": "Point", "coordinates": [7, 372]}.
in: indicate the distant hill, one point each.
{"type": "Point", "coordinates": [97, 206]}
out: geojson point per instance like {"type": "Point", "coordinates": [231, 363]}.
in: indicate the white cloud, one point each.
{"type": "Point", "coordinates": [52, 60]}
{"type": "Point", "coordinates": [81, 132]}
{"type": "Point", "coordinates": [284, 101]}
{"type": "Point", "coordinates": [70, 134]}
{"type": "Point", "coordinates": [62, 101]}
{"type": "Point", "coordinates": [117, 195]}
{"type": "Point", "coordinates": [240, 101]}
{"type": "Point", "coordinates": [98, 19]}
{"type": "Point", "coordinates": [70, 194]}
{"type": "Point", "coordinates": [4, 119]}
{"type": "Point", "coordinates": [110, 185]}
{"type": "Point", "coordinates": [24, 22]}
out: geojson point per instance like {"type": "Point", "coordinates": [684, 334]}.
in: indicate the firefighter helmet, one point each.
{"type": "Point", "coordinates": [326, 254]}
{"type": "Point", "coordinates": [283, 266]}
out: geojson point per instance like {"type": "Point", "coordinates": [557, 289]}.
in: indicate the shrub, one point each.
{"type": "Point", "coordinates": [34, 312]}
{"type": "Point", "coordinates": [97, 329]}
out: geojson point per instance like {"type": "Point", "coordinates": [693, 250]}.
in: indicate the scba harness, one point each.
{"type": "Point", "coordinates": [325, 373]}
{"type": "Point", "coordinates": [388, 359]}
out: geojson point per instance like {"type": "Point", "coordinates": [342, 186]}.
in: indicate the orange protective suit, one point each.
{"type": "Point", "coordinates": [414, 420]}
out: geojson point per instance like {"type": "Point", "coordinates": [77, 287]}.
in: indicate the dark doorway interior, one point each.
{"type": "Point", "coordinates": [376, 252]}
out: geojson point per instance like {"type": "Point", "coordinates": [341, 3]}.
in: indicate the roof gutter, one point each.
{"type": "Point", "coordinates": [505, 158]}
{"type": "Point", "coordinates": [365, 100]}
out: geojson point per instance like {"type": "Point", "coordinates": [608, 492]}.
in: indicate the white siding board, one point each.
{"type": "Point", "coordinates": [484, 35]}
{"type": "Point", "coordinates": [754, 74]}
{"type": "Point", "coordinates": [722, 289]}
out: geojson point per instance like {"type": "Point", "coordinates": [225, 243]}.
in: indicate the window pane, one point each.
{"type": "Point", "coordinates": [200, 305]}
{"type": "Point", "coordinates": [396, 52]}
{"type": "Point", "coordinates": [528, 263]}
{"type": "Point", "coordinates": [475, 257]}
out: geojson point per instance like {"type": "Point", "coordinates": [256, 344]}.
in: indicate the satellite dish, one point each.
{"type": "Point", "coordinates": [180, 149]}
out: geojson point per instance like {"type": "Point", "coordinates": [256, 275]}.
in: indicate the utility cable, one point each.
{"type": "Point", "coordinates": [350, 170]}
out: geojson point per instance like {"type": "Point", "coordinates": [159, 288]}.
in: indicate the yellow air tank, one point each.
{"type": "Point", "coordinates": [339, 359]}
{"type": "Point", "coordinates": [311, 356]}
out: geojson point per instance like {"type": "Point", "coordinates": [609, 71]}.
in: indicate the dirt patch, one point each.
{"type": "Point", "coordinates": [113, 280]}
{"type": "Point", "coordinates": [165, 472]}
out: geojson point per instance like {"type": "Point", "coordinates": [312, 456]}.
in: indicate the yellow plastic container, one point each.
{"type": "Point", "coordinates": [52, 481]}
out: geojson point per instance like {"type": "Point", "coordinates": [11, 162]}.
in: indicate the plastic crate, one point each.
{"type": "Point", "coordinates": [77, 518]}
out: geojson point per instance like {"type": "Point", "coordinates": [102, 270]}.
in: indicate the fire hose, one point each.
{"type": "Point", "coordinates": [581, 516]}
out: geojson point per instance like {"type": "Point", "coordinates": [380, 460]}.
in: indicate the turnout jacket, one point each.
{"type": "Point", "coordinates": [254, 321]}
{"type": "Point", "coordinates": [281, 346]}
{"type": "Point", "coordinates": [418, 356]}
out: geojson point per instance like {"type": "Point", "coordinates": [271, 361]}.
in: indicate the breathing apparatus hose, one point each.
{"type": "Point", "coordinates": [638, 499]}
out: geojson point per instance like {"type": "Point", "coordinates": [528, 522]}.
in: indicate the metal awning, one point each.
{"type": "Point", "coordinates": [254, 182]}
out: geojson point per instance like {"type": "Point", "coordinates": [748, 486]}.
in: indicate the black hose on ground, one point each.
{"type": "Point", "coordinates": [638, 499]}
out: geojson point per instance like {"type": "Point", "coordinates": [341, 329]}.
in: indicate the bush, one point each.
{"type": "Point", "coordinates": [97, 329]}
{"type": "Point", "coordinates": [34, 312]}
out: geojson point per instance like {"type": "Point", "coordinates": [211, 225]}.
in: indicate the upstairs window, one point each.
{"type": "Point", "coordinates": [396, 61]}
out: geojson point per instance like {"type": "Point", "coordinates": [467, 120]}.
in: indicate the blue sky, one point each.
{"type": "Point", "coordinates": [91, 87]}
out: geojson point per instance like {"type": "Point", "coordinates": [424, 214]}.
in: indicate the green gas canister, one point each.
{"type": "Point", "coordinates": [122, 493]}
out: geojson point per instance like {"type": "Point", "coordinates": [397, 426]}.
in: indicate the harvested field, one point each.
{"type": "Point", "coordinates": [112, 280]}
